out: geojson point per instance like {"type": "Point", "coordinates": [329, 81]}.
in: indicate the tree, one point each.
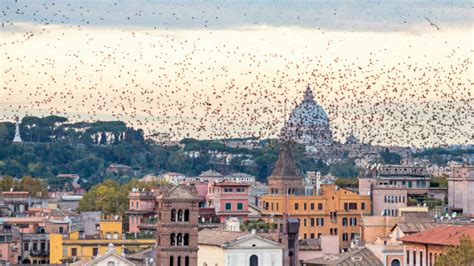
{"type": "Point", "coordinates": [390, 157]}
{"type": "Point", "coordinates": [459, 255]}
{"type": "Point", "coordinates": [345, 169]}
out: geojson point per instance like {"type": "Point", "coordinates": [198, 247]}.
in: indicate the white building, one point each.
{"type": "Point", "coordinates": [218, 247]}
{"type": "Point", "coordinates": [461, 189]}
{"type": "Point", "coordinates": [241, 178]}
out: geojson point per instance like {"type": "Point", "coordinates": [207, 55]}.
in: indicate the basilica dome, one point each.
{"type": "Point", "coordinates": [308, 113]}
{"type": "Point", "coordinates": [308, 123]}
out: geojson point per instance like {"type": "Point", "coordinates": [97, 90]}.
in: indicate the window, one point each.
{"type": "Point", "coordinates": [353, 221]}
{"type": "Point", "coordinates": [304, 222]}
{"type": "Point", "coordinates": [171, 261]}
{"type": "Point", "coordinates": [35, 246]}
{"type": "Point", "coordinates": [240, 189]}
{"type": "Point", "coordinates": [311, 221]}
{"type": "Point", "coordinates": [110, 263]}
{"type": "Point", "coordinates": [278, 207]}
{"type": "Point", "coordinates": [173, 239]}
{"type": "Point", "coordinates": [74, 252]}
{"type": "Point", "coordinates": [179, 260]}
{"type": "Point", "coordinates": [351, 206]}
{"type": "Point", "coordinates": [26, 246]}
{"type": "Point", "coordinates": [362, 206]}
{"type": "Point", "coordinates": [414, 257]}
{"type": "Point", "coordinates": [305, 236]}
{"type": "Point", "coordinates": [345, 237]}
{"type": "Point", "coordinates": [95, 252]}
{"type": "Point", "coordinates": [228, 206]}
{"type": "Point", "coordinates": [253, 260]}
{"type": "Point", "coordinates": [228, 189]}
{"type": "Point", "coordinates": [395, 262]}
{"type": "Point", "coordinates": [408, 257]}
{"type": "Point", "coordinates": [344, 221]}
{"type": "Point", "coordinates": [312, 236]}
{"type": "Point", "coordinates": [296, 206]}
{"type": "Point", "coordinates": [173, 215]}
{"type": "Point", "coordinates": [421, 258]}
{"type": "Point", "coordinates": [186, 261]}
{"type": "Point", "coordinates": [305, 206]}
{"type": "Point", "coordinates": [320, 206]}
{"type": "Point", "coordinates": [312, 206]}
{"type": "Point", "coordinates": [137, 204]}
{"type": "Point", "coordinates": [186, 215]}
{"type": "Point", "coordinates": [186, 240]}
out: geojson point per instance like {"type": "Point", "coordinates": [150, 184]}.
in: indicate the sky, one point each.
{"type": "Point", "coordinates": [389, 72]}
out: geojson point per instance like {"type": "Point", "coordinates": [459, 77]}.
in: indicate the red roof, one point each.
{"type": "Point", "coordinates": [445, 235]}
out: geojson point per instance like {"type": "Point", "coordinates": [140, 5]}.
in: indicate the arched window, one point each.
{"type": "Point", "coordinates": [179, 239]}
{"type": "Point", "coordinates": [171, 261]}
{"type": "Point", "coordinates": [173, 239]}
{"type": "Point", "coordinates": [253, 260]}
{"type": "Point", "coordinates": [180, 216]}
{"type": "Point", "coordinates": [186, 261]}
{"type": "Point", "coordinates": [110, 263]}
{"type": "Point", "coordinates": [395, 262]}
{"type": "Point", "coordinates": [186, 215]}
{"type": "Point", "coordinates": [186, 240]}
{"type": "Point", "coordinates": [179, 261]}
{"type": "Point", "coordinates": [173, 215]}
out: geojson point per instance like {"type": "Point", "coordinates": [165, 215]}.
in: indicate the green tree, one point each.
{"type": "Point", "coordinates": [345, 169]}
{"type": "Point", "coordinates": [459, 255]}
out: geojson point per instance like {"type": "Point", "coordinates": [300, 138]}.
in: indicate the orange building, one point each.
{"type": "Point", "coordinates": [321, 210]}
{"type": "Point", "coordinates": [333, 212]}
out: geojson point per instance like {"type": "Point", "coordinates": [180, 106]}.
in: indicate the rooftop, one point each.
{"type": "Point", "coordinates": [445, 235]}
{"type": "Point", "coordinates": [355, 257]}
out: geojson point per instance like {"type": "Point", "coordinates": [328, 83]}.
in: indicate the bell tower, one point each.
{"type": "Point", "coordinates": [177, 226]}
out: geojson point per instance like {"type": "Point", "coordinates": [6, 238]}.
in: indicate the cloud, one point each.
{"type": "Point", "coordinates": [384, 16]}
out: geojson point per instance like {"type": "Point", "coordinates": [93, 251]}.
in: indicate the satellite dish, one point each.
{"type": "Point", "coordinates": [424, 204]}
{"type": "Point", "coordinates": [382, 213]}
{"type": "Point", "coordinates": [441, 218]}
{"type": "Point", "coordinates": [454, 214]}
{"type": "Point", "coordinates": [447, 215]}
{"type": "Point", "coordinates": [436, 216]}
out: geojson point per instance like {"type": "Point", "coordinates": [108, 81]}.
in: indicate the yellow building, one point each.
{"type": "Point", "coordinates": [335, 211]}
{"type": "Point", "coordinates": [73, 246]}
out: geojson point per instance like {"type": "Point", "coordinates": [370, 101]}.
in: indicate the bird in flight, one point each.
{"type": "Point", "coordinates": [431, 22]}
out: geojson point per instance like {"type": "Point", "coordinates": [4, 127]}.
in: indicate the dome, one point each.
{"type": "Point", "coordinates": [308, 123]}
{"type": "Point", "coordinates": [308, 113]}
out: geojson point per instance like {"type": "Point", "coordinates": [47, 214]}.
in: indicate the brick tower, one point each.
{"type": "Point", "coordinates": [285, 179]}
{"type": "Point", "coordinates": [177, 232]}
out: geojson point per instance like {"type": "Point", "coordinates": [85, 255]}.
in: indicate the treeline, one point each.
{"type": "Point", "coordinates": [53, 146]}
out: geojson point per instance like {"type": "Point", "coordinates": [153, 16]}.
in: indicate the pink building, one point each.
{"type": "Point", "coordinates": [141, 209]}
{"type": "Point", "coordinates": [229, 199]}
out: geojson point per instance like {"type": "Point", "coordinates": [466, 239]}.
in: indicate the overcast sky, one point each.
{"type": "Point", "coordinates": [381, 69]}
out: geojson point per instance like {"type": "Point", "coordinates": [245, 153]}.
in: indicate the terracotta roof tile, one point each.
{"type": "Point", "coordinates": [446, 235]}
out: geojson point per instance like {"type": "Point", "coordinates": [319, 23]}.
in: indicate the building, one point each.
{"type": "Point", "coordinates": [110, 258]}
{"type": "Point", "coordinates": [141, 209]}
{"type": "Point", "coordinates": [219, 247]}
{"type": "Point", "coordinates": [74, 246]}
{"type": "Point", "coordinates": [285, 179]}
{"type": "Point", "coordinates": [308, 123]}
{"type": "Point", "coordinates": [177, 226]}
{"type": "Point", "coordinates": [17, 202]}
{"type": "Point", "coordinates": [361, 256]}
{"type": "Point", "coordinates": [336, 211]}
{"type": "Point", "coordinates": [387, 200]}
{"type": "Point", "coordinates": [241, 178]}
{"type": "Point", "coordinates": [461, 189]}
{"type": "Point", "coordinates": [423, 248]}
{"type": "Point", "coordinates": [173, 177]}
{"type": "Point", "coordinates": [397, 186]}
{"type": "Point", "coordinates": [211, 176]}
{"type": "Point", "coordinates": [332, 211]}
{"type": "Point", "coordinates": [230, 199]}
